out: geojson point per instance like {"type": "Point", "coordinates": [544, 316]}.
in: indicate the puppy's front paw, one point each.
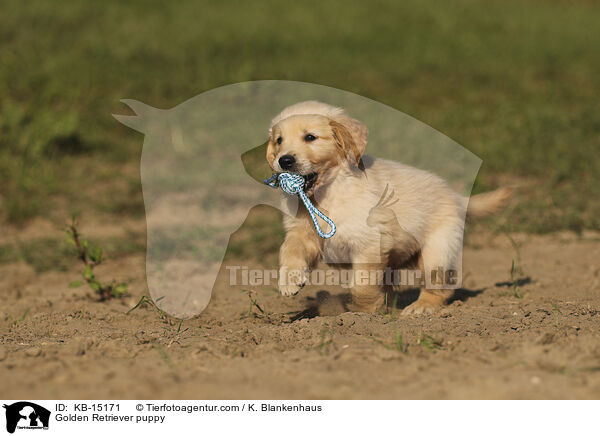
{"type": "Point", "coordinates": [291, 280]}
{"type": "Point", "coordinates": [421, 307]}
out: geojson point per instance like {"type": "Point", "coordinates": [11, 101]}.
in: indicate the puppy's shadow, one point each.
{"type": "Point", "coordinates": [325, 304]}
{"type": "Point", "coordinates": [462, 294]}
{"type": "Point", "coordinates": [517, 282]}
{"type": "Point", "coordinates": [402, 299]}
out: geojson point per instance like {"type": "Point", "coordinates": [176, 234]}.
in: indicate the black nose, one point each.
{"type": "Point", "coordinates": [287, 161]}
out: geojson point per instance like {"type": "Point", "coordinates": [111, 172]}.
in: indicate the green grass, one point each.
{"type": "Point", "coordinates": [399, 345]}
{"type": "Point", "coordinates": [326, 339]}
{"type": "Point", "coordinates": [515, 82]}
{"type": "Point", "coordinates": [15, 322]}
{"type": "Point", "coordinates": [55, 254]}
{"type": "Point", "coordinates": [430, 343]}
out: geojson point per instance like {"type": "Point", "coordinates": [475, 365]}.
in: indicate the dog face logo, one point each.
{"type": "Point", "coordinates": [26, 415]}
{"type": "Point", "coordinates": [198, 191]}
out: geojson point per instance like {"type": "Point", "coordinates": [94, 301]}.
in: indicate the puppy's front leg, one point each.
{"type": "Point", "coordinates": [299, 252]}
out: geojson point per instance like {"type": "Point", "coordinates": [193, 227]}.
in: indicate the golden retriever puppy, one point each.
{"type": "Point", "coordinates": [386, 213]}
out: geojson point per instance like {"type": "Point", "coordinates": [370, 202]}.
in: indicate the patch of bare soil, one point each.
{"type": "Point", "coordinates": [540, 339]}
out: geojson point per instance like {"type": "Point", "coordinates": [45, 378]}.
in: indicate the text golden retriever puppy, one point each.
{"type": "Point", "coordinates": [386, 213]}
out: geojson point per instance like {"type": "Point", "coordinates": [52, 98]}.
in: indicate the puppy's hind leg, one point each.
{"type": "Point", "coordinates": [441, 265]}
{"type": "Point", "coordinates": [367, 291]}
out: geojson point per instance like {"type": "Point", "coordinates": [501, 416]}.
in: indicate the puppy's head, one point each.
{"type": "Point", "coordinates": [312, 143]}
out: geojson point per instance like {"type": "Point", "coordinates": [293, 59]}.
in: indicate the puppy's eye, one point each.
{"type": "Point", "coordinates": [279, 140]}
{"type": "Point", "coordinates": [310, 138]}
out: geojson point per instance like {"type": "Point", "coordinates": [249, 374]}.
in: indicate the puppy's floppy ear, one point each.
{"type": "Point", "coordinates": [351, 136]}
{"type": "Point", "coordinates": [271, 149]}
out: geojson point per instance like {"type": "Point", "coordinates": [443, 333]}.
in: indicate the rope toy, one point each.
{"type": "Point", "coordinates": [294, 184]}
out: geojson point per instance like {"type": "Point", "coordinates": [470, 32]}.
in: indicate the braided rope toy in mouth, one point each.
{"type": "Point", "coordinates": [293, 184]}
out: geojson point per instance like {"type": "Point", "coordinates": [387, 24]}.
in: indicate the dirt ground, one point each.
{"type": "Point", "coordinates": [540, 340]}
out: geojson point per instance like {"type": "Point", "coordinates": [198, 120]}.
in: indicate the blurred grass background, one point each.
{"type": "Point", "coordinates": [515, 82]}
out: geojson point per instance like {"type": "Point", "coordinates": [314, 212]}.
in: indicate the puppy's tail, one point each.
{"type": "Point", "coordinates": [488, 203]}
